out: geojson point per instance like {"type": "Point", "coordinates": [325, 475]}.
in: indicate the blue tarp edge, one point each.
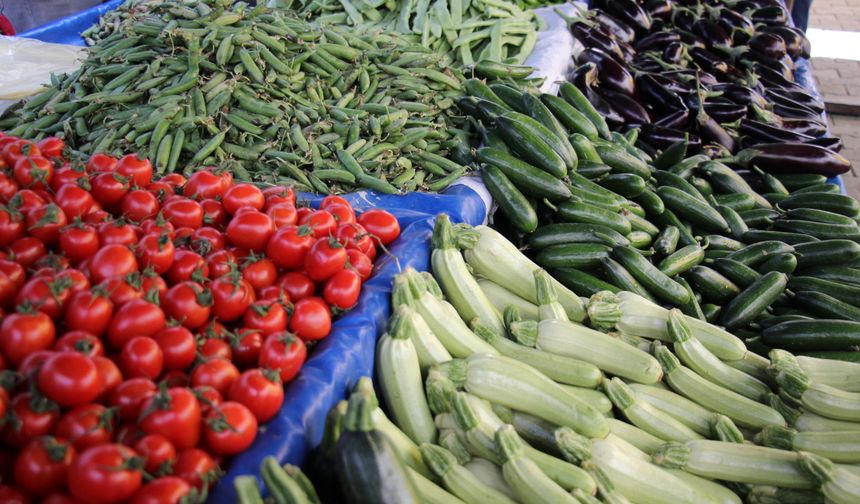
{"type": "Point", "coordinates": [68, 30]}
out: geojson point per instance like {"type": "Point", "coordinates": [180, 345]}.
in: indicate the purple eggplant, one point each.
{"type": "Point", "coordinates": [658, 9]}
{"type": "Point", "coordinates": [585, 77]}
{"type": "Point", "coordinates": [684, 19]}
{"type": "Point", "coordinates": [740, 38]}
{"type": "Point", "coordinates": [772, 15]}
{"type": "Point", "coordinates": [724, 112]}
{"type": "Point", "coordinates": [711, 131]}
{"type": "Point", "coordinates": [769, 44]}
{"type": "Point", "coordinates": [628, 108]}
{"type": "Point", "coordinates": [813, 128]}
{"type": "Point", "coordinates": [787, 112]}
{"type": "Point", "coordinates": [710, 62]}
{"type": "Point", "coordinates": [779, 99]}
{"type": "Point", "coordinates": [628, 11]}
{"type": "Point", "coordinates": [656, 41]}
{"type": "Point", "coordinates": [803, 98]}
{"type": "Point", "coordinates": [673, 85]}
{"type": "Point", "coordinates": [661, 137]}
{"type": "Point", "coordinates": [741, 95]}
{"type": "Point", "coordinates": [767, 133]}
{"type": "Point", "coordinates": [794, 158]}
{"type": "Point", "coordinates": [691, 39]}
{"type": "Point", "coordinates": [610, 72]}
{"type": "Point", "coordinates": [618, 28]}
{"type": "Point", "coordinates": [657, 96]}
{"type": "Point", "coordinates": [646, 65]}
{"type": "Point", "coordinates": [712, 33]}
{"type": "Point", "coordinates": [593, 37]}
{"type": "Point", "coordinates": [732, 22]}
{"type": "Point", "coordinates": [770, 76]}
{"type": "Point", "coordinates": [691, 74]}
{"type": "Point", "coordinates": [832, 143]}
{"type": "Point", "coordinates": [715, 151]}
{"type": "Point", "coordinates": [676, 120]}
{"type": "Point", "coordinates": [673, 53]}
{"type": "Point", "coordinates": [796, 42]}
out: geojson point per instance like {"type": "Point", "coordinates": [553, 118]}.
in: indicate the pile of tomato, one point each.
{"type": "Point", "coordinates": [148, 326]}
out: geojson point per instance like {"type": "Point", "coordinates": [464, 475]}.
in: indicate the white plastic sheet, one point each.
{"type": "Point", "coordinates": [27, 65]}
{"type": "Point", "coordinates": [551, 56]}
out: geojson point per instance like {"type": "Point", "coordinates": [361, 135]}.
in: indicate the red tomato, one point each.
{"type": "Point", "coordinates": [105, 474]}
{"type": "Point", "coordinates": [268, 317]}
{"type": "Point", "coordinates": [80, 341]}
{"type": "Point", "coordinates": [139, 205]}
{"type": "Point", "coordinates": [34, 172]}
{"type": "Point", "coordinates": [74, 201]}
{"type": "Point", "coordinates": [109, 374]}
{"type": "Point", "coordinates": [333, 200]}
{"type": "Point", "coordinates": [215, 348]}
{"type": "Point", "coordinates": [175, 378]}
{"type": "Point", "coordinates": [47, 294]}
{"type": "Point", "coordinates": [381, 224]}
{"type": "Point", "coordinates": [260, 391]}
{"type": "Point", "coordinates": [101, 163]}
{"type": "Point", "coordinates": [183, 212]}
{"type": "Point", "coordinates": [35, 417]}
{"type": "Point", "coordinates": [109, 188]}
{"type": "Point", "coordinates": [70, 379]}
{"type": "Point", "coordinates": [359, 262]}
{"type": "Point", "coordinates": [354, 236]}
{"type": "Point", "coordinates": [158, 452]}
{"type": "Point", "coordinates": [297, 285]}
{"type": "Point", "coordinates": [164, 490]}
{"type": "Point", "coordinates": [128, 397]}
{"type": "Point", "coordinates": [59, 498]}
{"type": "Point", "coordinates": [196, 467]}
{"type": "Point", "coordinates": [246, 347]}
{"type": "Point", "coordinates": [231, 296]}
{"type": "Point", "coordinates": [11, 495]}
{"type": "Point", "coordinates": [96, 217]}
{"type": "Point", "coordinates": [8, 187]}
{"type": "Point", "coordinates": [20, 149]}
{"type": "Point", "coordinates": [44, 222]}
{"type": "Point", "coordinates": [69, 174]}
{"type": "Point", "coordinates": [157, 226]}
{"type": "Point", "coordinates": [250, 230]}
{"type": "Point", "coordinates": [161, 190]}
{"type": "Point", "coordinates": [111, 261]}
{"type": "Point", "coordinates": [243, 195]}
{"type": "Point", "coordinates": [230, 428]}
{"type": "Point", "coordinates": [78, 242]}
{"type": "Point", "coordinates": [273, 293]}
{"type": "Point", "coordinates": [117, 232]}
{"type": "Point", "coordinates": [24, 333]}
{"type": "Point", "coordinates": [141, 357]}
{"type": "Point", "coordinates": [42, 465]}
{"type": "Point", "coordinates": [343, 213]}
{"type": "Point", "coordinates": [207, 239]}
{"type": "Point", "coordinates": [325, 258]}
{"type": "Point", "coordinates": [213, 213]}
{"type": "Point", "coordinates": [186, 266]}
{"type": "Point", "coordinates": [284, 353]}
{"type": "Point", "coordinates": [27, 250]}
{"type": "Point", "coordinates": [138, 170]}
{"type": "Point", "coordinates": [204, 184]}
{"type": "Point", "coordinates": [136, 317]}
{"type": "Point", "coordinates": [175, 414]}
{"type": "Point", "coordinates": [8, 291]}
{"type": "Point", "coordinates": [282, 214]}
{"type": "Point", "coordinates": [321, 222]}
{"type": "Point", "coordinates": [12, 227]}
{"type": "Point", "coordinates": [342, 289]}
{"type": "Point", "coordinates": [311, 319]}
{"type": "Point", "coordinates": [178, 347]}
{"type": "Point", "coordinates": [189, 303]}
{"type": "Point", "coordinates": [279, 194]}
{"type": "Point", "coordinates": [87, 425]}
{"type": "Point", "coordinates": [216, 373]}
{"type": "Point", "coordinates": [259, 272]}
{"type": "Point", "coordinates": [33, 362]}
{"type": "Point", "coordinates": [51, 147]}
{"type": "Point", "coordinates": [221, 262]}
{"type": "Point", "coordinates": [288, 247]}
{"type": "Point", "coordinates": [121, 290]}
{"type": "Point", "coordinates": [156, 252]}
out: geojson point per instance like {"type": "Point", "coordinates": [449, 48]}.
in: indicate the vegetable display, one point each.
{"type": "Point", "coordinates": [149, 324]}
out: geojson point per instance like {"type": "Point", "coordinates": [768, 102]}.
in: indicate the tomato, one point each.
{"type": "Point", "coordinates": [208, 397]}
{"type": "Point", "coordinates": [42, 465]}
{"type": "Point", "coordinates": [268, 317]}
{"type": "Point", "coordinates": [164, 490]}
{"type": "Point", "coordinates": [46, 294]}
{"type": "Point", "coordinates": [24, 333]}
{"type": "Point", "coordinates": [34, 172]}
{"type": "Point", "coordinates": [101, 163]}
{"type": "Point", "coordinates": [20, 149]}
{"type": "Point", "coordinates": [246, 347]}
{"type": "Point", "coordinates": [137, 169]}
{"type": "Point", "coordinates": [183, 212]}
{"type": "Point", "coordinates": [207, 239]}
{"type": "Point", "coordinates": [321, 222]}
{"type": "Point", "coordinates": [325, 258]}
{"type": "Point", "coordinates": [157, 226]}
{"type": "Point", "coordinates": [221, 262]}
{"type": "Point", "coordinates": [128, 397]}
{"type": "Point", "coordinates": [121, 290]}
{"type": "Point", "coordinates": [112, 261]}
{"type": "Point", "coordinates": [343, 213]}
{"type": "Point", "coordinates": [36, 416]}
{"type": "Point", "coordinates": [230, 428]}
{"type": "Point", "coordinates": [74, 201]}
{"type": "Point", "coordinates": [141, 357]}
{"type": "Point", "coordinates": [12, 227]}
{"type": "Point", "coordinates": [86, 425]}
{"type": "Point", "coordinates": [11, 495]}
{"type": "Point", "coordinates": [8, 187]}
{"type": "Point", "coordinates": [297, 285]}
{"type": "Point", "coordinates": [96, 216]}
{"type": "Point", "coordinates": [243, 195]}
{"type": "Point", "coordinates": [311, 319]}
{"type": "Point", "coordinates": [105, 473]}
{"type": "Point", "coordinates": [354, 236]}
{"type": "Point", "coordinates": [59, 498]}
{"type": "Point", "coordinates": [359, 262]}
{"type": "Point", "coordinates": [156, 252]}
{"type": "Point", "coordinates": [32, 363]}
{"type": "Point", "coordinates": [260, 391]}
{"type": "Point", "coordinates": [259, 272]}
{"type": "Point", "coordinates": [135, 318]}
{"type": "Point", "coordinates": [69, 379]}
{"type": "Point", "coordinates": [8, 291]}
{"type": "Point", "coordinates": [78, 242]}
{"type": "Point", "coordinates": [174, 179]}
{"type": "Point", "coordinates": [27, 250]}
{"type": "Point", "coordinates": [216, 373]}
{"type": "Point", "coordinates": [109, 374]}
{"type": "Point", "coordinates": [381, 224]}
{"type": "Point", "coordinates": [153, 284]}
{"type": "Point", "coordinates": [175, 414]}
{"type": "Point", "coordinates": [138, 205]}
{"type": "Point", "coordinates": [80, 341]}
{"type": "Point", "coordinates": [282, 214]}
{"type": "Point", "coordinates": [51, 147]}
{"type": "Point", "coordinates": [178, 347]}
{"type": "Point", "coordinates": [186, 266]}
{"type": "Point", "coordinates": [175, 378]}
{"type": "Point", "coordinates": [250, 230]}
{"type": "Point", "coordinates": [189, 303]}
{"type": "Point", "coordinates": [204, 184]}
{"type": "Point", "coordinates": [117, 232]}
{"type": "Point", "coordinates": [109, 188]}
{"type": "Point", "coordinates": [68, 174]}
{"type": "Point", "coordinates": [158, 452]}
{"type": "Point", "coordinates": [196, 467]}
{"type": "Point", "coordinates": [342, 289]}
{"type": "Point", "coordinates": [215, 348]}
{"type": "Point", "coordinates": [231, 296]}
{"type": "Point", "coordinates": [273, 293]}
{"type": "Point", "coordinates": [278, 194]}
{"type": "Point", "coordinates": [284, 353]}
{"type": "Point", "coordinates": [213, 213]}
{"type": "Point", "coordinates": [288, 247]}
{"type": "Point", "coordinates": [333, 200]}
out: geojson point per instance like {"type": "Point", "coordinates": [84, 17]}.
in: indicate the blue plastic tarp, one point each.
{"type": "Point", "coordinates": [68, 29]}
{"type": "Point", "coordinates": [347, 353]}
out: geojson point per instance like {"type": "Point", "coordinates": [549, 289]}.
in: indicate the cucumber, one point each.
{"type": "Point", "coordinates": [544, 117]}
{"type": "Point", "coordinates": [773, 198]}
{"type": "Point", "coordinates": [819, 229]}
{"type": "Point", "coordinates": [512, 97]}
{"type": "Point", "coordinates": [727, 181]}
{"type": "Point", "coordinates": [844, 292]}
{"type": "Point", "coordinates": [574, 120]}
{"type": "Point", "coordinates": [826, 306]}
{"type": "Point", "coordinates": [556, 234]}
{"type": "Point", "coordinates": [535, 149]}
{"type": "Point", "coordinates": [759, 217]}
{"type": "Point", "coordinates": [591, 170]}
{"type": "Point", "coordinates": [592, 187]}
{"type": "Point", "coordinates": [754, 300]}
{"type": "Point", "coordinates": [844, 355]}
{"type": "Point", "coordinates": [652, 203]}
{"type": "Point", "coordinates": [825, 187]}
{"type": "Point", "coordinates": [572, 95]}
{"type": "Point", "coordinates": [667, 241]}
{"type": "Point", "coordinates": [582, 283]}
{"type": "Point", "coordinates": [779, 319]}
{"type": "Point", "coordinates": [639, 239]}
{"type": "Point", "coordinates": [711, 255]}
{"type": "Point", "coordinates": [827, 253]}
{"type": "Point", "coordinates": [836, 203]}
{"type": "Point", "coordinates": [813, 335]}
{"type": "Point", "coordinates": [823, 216]}
{"type": "Point", "coordinates": [737, 225]}
{"type": "Point", "coordinates": [794, 181]}
{"type": "Point", "coordinates": [511, 201]}
{"type": "Point", "coordinates": [702, 185]}
{"type": "Point", "coordinates": [713, 286]}
{"type": "Point", "coordinates": [720, 242]}
{"type": "Point", "coordinates": [572, 255]}
{"type": "Point", "coordinates": [672, 155]}
{"type": "Point", "coordinates": [478, 89]}
{"type": "Point", "coordinates": [772, 184]}
{"type": "Point", "coordinates": [696, 211]}
{"type": "Point", "coordinates": [758, 235]}
{"type": "Point", "coordinates": [755, 254]}
{"type": "Point", "coordinates": [736, 201]}
{"type": "Point", "coordinates": [668, 218]}
{"type": "Point", "coordinates": [686, 167]}
{"type": "Point", "coordinates": [638, 223]}
{"type": "Point", "coordinates": [739, 273]}
{"type": "Point", "coordinates": [782, 263]}
{"type": "Point", "coordinates": [682, 260]}
{"type": "Point", "coordinates": [585, 150]}
{"type": "Point", "coordinates": [622, 162]}
{"type": "Point", "coordinates": [843, 274]}
{"type": "Point", "coordinates": [666, 178]}
{"type": "Point", "coordinates": [576, 210]}
{"type": "Point", "coordinates": [617, 275]}
{"type": "Point", "coordinates": [624, 184]}
{"type": "Point", "coordinates": [529, 179]}
{"type": "Point", "coordinates": [652, 278]}
{"type": "Point", "coordinates": [711, 312]}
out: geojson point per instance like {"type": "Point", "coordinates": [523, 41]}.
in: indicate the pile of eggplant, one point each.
{"type": "Point", "coordinates": [719, 73]}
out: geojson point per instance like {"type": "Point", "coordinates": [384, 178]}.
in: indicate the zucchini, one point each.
{"type": "Point", "coordinates": [557, 234]}
{"type": "Point", "coordinates": [750, 303]}
{"type": "Point", "coordinates": [696, 211]}
{"type": "Point", "coordinates": [843, 355]}
{"type": "Point", "coordinates": [826, 306]}
{"type": "Point", "coordinates": [527, 178]}
{"type": "Point", "coordinates": [650, 276]}
{"type": "Point", "coordinates": [572, 255]}
{"type": "Point", "coordinates": [711, 285]}
{"type": "Point", "coordinates": [813, 335]}
{"type": "Point", "coordinates": [511, 201]}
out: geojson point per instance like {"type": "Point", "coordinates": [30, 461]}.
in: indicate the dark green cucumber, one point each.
{"type": "Point", "coordinates": [711, 312]}
{"type": "Point", "coordinates": [739, 273]}
{"type": "Point", "coordinates": [652, 278]}
{"type": "Point", "coordinates": [672, 155]}
{"type": "Point", "coordinates": [759, 217]}
{"type": "Point", "coordinates": [827, 253]}
{"type": "Point", "coordinates": [813, 335]}
{"type": "Point", "coordinates": [512, 97]}
{"type": "Point", "coordinates": [596, 198]}
{"type": "Point", "coordinates": [758, 235]}
{"type": "Point", "coordinates": [638, 223]}
{"type": "Point", "coordinates": [779, 319]}
{"type": "Point", "coordinates": [652, 203]}
{"type": "Point", "coordinates": [590, 186]}
{"type": "Point", "coordinates": [668, 218]}
{"type": "Point", "coordinates": [836, 203]}
{"type": "Point", "coordinates": [625, 184]}
{"type": "Point", "coordinates": [591, 170]}
{"type": "Point", "coordinates": [622, 162]}
{"type": "Point", "coordinates": [511, 201]}
{"type": "Point", "coordinates": [782, 263]}
{"type": "Point", "coordinates": [488, 111]}
{"type": "Point", "coordinates": [576, 210]}
{"type": "Point", "coordinates": [727, 181]}
{"type": "Point", "coordinates": [569, 232]}
{"type": "Point", "coordinates": [617, 275]}
{"type": "Point", "coordinates": [713, 286]}
{"type": "Point", "coordinates": [770, 183]}
{"type": "Point", "coordinates": [666, 178]}
{"type": "Point", "coordinates": [737, 225]}
{"type": "Point", "coordinates": [544, 117]}
{"type": "Point", "coordinates": [632, 206]}
{"type": "Point", "coordinates": [826, 306]}
{"type": "Point", "coordinates": [754, 300]}
{"type": "Point", "coordinates": [843, 355]}
{"type": "Point", "coordinates": [737, 201]}
{"type": "Point", "coordinates": [477, 88]}
{"type": "Point", "coordinates": [572, 95]}
{"type": "Point", "coordinates": [844, 274]}
{"type": "Point", "coordinates": [826, 187]}
{"type": "Point", "coordinates": [823, 216]}
{"type": "Point", "coordinates": [712, 254]}
{"type": "Point", "coordinates": [640, 239]}
{"type": "Point", "coordinates": [582, 283]}
{"type": "Point", "coordinates": [682, 260]}
{"type": "Point", "coordinates": [687, 167]}
{"type": "Point", "coordinates": [574, 120]}
{"type": "Point", "coordinates": [774, 198]}
{"type": "Point", "coordinates": [845, 292]}
{"type": "Point", "coordinates": [794, 181]}
{"type": "Point", "coordinates": [720, 242]}
{"type": "Point", "coordinates": [691, 307]}
{"type": "Point", "coordinates": [532, 147]}
{"type": "Point", "coordinates": [529, 179]}
{"type": "Point", "coordinates": [695, 210]}
{"type": "Point", "coordinates": [755, 254]}
{"type": "Point", "coordinates": [702, 185]}
{"type": "Point", "coordinates": [585, 150]}
{"type": "Point", "coordinates": [572, 255]}
{"type": "Point", "coordinates": [819, 229]}
{"type": "Point", "coordinates": [667, 241]}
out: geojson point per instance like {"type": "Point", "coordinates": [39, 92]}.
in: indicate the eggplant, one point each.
{"type": "Point", "coordinates": [804, 98]}
{"type": "Point", "coordinates": [619, 29]}
{"type": "Point", "coordinates": [707, 79]}
{"type": "Point", "coordinates": [628, 11]}
{"type": "Point", "coordinates": [772, 15]}
{"type": "Point", "coordinates": [725, 112]}
{"type": "Point", "coordinates": [628, 108]}
{"type": "Point", "coordinates": [769, 76]}
{"type": "Point", "coordinates": [646, 65]}
{"type": "Point", "coordinates": [661, 137]}
{"type": "Point", "coordinates": [796, 43]}
{"type": "Point", "coordinates": [684, 19]}
{"type": "Point", "coordinates": [585, 77]}
{"type": "Point", "coordinates": [833, 143]}
{"type": "Point", "coordinates": [674, 120]}
{"type": "Point", "coordinates": [673, 85]}
{"type": "Point", "coordinates": [657, 96]}
{"type": "Point", "coordinates": [658, 9]}
{"type": "Point", "coordinates": [794, 158]}
{"type": "Point", "coordinates": [609, 71]}
{"type": "Point", "coordinates": [770, 44]}
{"type": "Point", "coordinates": [593, 37]}
{"type": "Point", "coordinates": [768, 133]}
{"type": "Point", "coordinates": [711, 131]}
{"type": "Point", "coordinates": [673, 53]}
{"type": "Point", "coordinates": [740, 38]}
{"type": "Point", "coordinates": [710, 62]}
{"type": "Point", "coordinates": [778, 99]}
{"type": "Point", "coordinates": [656, 41]}
{"type": "Point", "coordinates": [691, 39]}
{"type": "Point", "coordinates": [741, 95]}
{"type": "Point", "coordinates": [712, 33]}
{"type": "Point", "coordinates": [813, 128]}
{"type": "Point", "coordinates": [733, 22]}
{"type": "Point", "coordinates": [794, 113]}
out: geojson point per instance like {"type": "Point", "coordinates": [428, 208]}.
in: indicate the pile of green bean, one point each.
{"type": "Point", "coordinates": [262, 93]}
{"type": "Point", "coordinates": [466, 30]}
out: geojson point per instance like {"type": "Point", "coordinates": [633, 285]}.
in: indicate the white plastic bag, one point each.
{"type": "Point", "coordinates": [552, 55]}
{"type": "Point", "coordinates": [27, 65]}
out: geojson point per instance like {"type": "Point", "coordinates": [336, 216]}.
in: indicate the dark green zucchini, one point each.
{"type": "Point", "coordinates": [582, 283]}
{"type": "Point", "coordinates": [813, 335]}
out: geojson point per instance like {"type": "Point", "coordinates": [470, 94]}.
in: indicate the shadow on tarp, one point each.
{"type": "Point", "coordinates": [347, 353]}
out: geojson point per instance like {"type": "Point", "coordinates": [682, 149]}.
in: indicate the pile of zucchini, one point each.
{"type": "Point", "coordinates": [774, 258]}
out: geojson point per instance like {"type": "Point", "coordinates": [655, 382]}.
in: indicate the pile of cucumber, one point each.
{"type": "Point", "coordinates": [773, 258]}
